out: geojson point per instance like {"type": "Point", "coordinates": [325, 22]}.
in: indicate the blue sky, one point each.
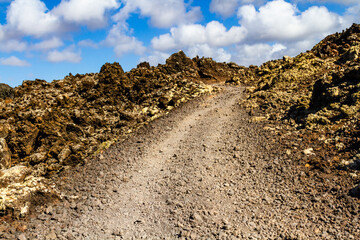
{"type": "Point", "coordinates": [50, 39]}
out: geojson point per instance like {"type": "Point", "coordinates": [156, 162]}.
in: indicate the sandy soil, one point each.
{"type": "Point", "coordinates": [205, 171]}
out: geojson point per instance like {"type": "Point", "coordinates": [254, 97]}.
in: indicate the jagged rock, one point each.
{"type": "Point", "coordinates": [13, 175]}
{"type": "Point", "coordinates": [143, 65]}
{"type": "Point", "coordinates": [5, 154]}
{"type": "Point", "coordinates": [316, 91]}
{"type": "Point", "coordinates": [6, 91]}
{"type": "Point", "coordinates": [4, 128]}
{"type": "Point", "coordinates": [355, 192]}
{"type": "Point", "coordinates": [179, 62]}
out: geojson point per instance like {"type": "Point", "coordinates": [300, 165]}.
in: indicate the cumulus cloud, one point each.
{"type": "Point", "coordinates": [122, 42]}
{"type": "Point", "coordinates": [2, 33]}
{"type": "Point", "coordinates": [32, 18]}
{"type": "Point", "coordinates": [67, 55]}
{"type": "Point", "coordinates": [345, 2]}
{"type": "Point", "coordinates": [13, 61]}
{"type": "Point", "coordinates": [224, 8]}
{"type": "Point", "coordinates": [214, 34]}
{"type": "Point", "coordinates": [218, 54]}
{"type": "Point", "coordinates": [256, 54]}
{"type": "Point", "coordinates": [352, 15]}
{"type": "Point", "coordinates": [162, 13]}
{"type": "Point", "coordinates": [227, 8]}
{"type": "Point", "coordinates": [155, 58]}
{"type": "Point", "coordinates": [279, 21]}
{"type": "Point", "coordinates": [13, 45]}
{"type": "Point", "coordinates": [85, 12]}
{"type": "Point", "coordinates": [48, 44]}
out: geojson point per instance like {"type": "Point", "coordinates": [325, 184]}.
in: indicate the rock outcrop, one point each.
{"type": "Point", "coordinates": [317, 93]}
{"type": "Point", "coordinates": [6, 91]}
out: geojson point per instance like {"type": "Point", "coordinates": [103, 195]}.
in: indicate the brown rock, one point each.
{"type": "Point", "coordinates": [5, 154]}
{"type": "Point", "coordinates": [6, 91]}
{"type": "Point", "coordinates": [15, 174]}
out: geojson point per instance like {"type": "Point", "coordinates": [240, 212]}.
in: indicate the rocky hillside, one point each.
{"type": "Point", "coordinates": [46, 127]}
{"type": "Point", "coordinates": [317, 93]}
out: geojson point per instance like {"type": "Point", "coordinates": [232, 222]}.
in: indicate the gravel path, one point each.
{"type": "Point", "coordinates": [202, 172]}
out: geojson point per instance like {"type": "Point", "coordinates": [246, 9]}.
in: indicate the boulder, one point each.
{"type": "Point", "coordinates": [355, 192]}
{"type": "Point", "coordinates": [13, 175]}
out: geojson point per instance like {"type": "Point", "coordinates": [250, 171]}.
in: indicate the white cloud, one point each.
{"type": "Point", "coordinates": [162, 13]}
{"type": "Point", "coordinates": [31, 17]}
{"type": "Point", "coordinates": [123, 43]}
{"type": "Point", "coordinates": [227, 8]}
{"type": "Point", "coordinates": [48, 44]}
{"type": "Point", "coordinates": [214, 34]}
{"type": "Point", "coordinates": [256, 54]}
{"type": "Point", "coordinates": [281, 21]}
{"type": "Point", "coordinates": [164, 42]}
{"type": "Point", "coordinates": [352, 15]}
{"type": "Point", "coordinates": [155, 58]}
{"type": "Point", "coordinates": [14, 61]}
{"type": "Point", "coordinates": [13, 45]}
{"type": "Point", "coordinates": [224, 8]}
{"type": "Point", "coordinates": [85, 12]}
{"type": "Point", "coordinates": [2, 33]}
{"type": "Point", "coordinates": [67, 55]}
{"type": "Point", "coordinates": [218, 54]}
{"type": "Point", "coordinates": [218, 36]}
{"type": "Point", "coordinates": [345, 2]}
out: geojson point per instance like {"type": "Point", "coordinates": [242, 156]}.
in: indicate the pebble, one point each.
{"type": "Point", "coordinates": [309, 151]}
{"type": "Point", "coordinates": [49, 210]}
{"type": "Point", "coordinates": [22, 237]}
{"type": "Point", "coordinates": [196, 217]}
{"type": "Point", "coordinates": [51, 236]}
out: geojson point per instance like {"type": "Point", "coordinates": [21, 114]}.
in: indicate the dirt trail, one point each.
{"type": "Point", "coordinates": [202, 172]}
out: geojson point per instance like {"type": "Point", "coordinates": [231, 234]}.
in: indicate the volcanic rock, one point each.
{"type": "Point", "coordinates": [317, 92]}
{"type": "Point", "coordinates": [6, 91]}
{"type": "Point", "coordinates": [49, 126]}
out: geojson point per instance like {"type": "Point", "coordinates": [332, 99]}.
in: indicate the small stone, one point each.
{"type": "Point", "coordinates": [51, 236]}
{"type": "Point", "coordinates": [22, 237]}
{"type": "Point", "coordinates": [73, 205]}
{"type": "Point", "coordinates": [117, 232]}
{"type": "Point", "coordinates": [24, 211]}
{"type": "Point", "coordinates": [309, 151]}
{"type": "Point", "coordinates": [196, 217]}
{"type": "Point", "coordinates": [49, 210]}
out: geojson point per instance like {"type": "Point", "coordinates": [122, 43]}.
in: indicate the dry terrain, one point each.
{"type": "Point", "coordinates": [207, 170]}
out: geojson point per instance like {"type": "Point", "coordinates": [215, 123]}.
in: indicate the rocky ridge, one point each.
{"type": "Point", "coordinates": [47, 127]}
{"type": "Point", "coordinates": [316, 94]}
